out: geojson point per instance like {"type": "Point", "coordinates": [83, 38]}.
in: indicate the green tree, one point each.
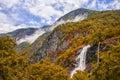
{"type": "Point", "coordinates": [80, 75]}
{"type": "Point", "coordinates": [11, 65]}
{"type": "Point", "coordinates": [45, 70]}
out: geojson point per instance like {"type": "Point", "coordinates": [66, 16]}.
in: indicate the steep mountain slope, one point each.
{"type": "Point", "coordinates": [76, 15]}
{"type": "Point", "coordinates": [33, 48]}
{"type": "Point", "coordinates": [64, 43]}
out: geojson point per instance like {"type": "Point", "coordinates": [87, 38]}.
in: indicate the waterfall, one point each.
{"type": "Point", "coordinates": [98, 52]}
{"type": "Point", "coordinates": [81, 60]}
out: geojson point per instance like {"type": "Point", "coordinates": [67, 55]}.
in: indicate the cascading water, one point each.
{"type": "Point", "coordinates": [81, 60]}
{"type": "Point", "coordinates": [98, 52]}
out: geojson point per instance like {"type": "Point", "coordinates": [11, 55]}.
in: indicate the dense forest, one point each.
{"type": "Point", "coordinates": [103, 28]}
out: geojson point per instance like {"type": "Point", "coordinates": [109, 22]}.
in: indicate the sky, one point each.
{"type": "Point", "coordinates": [16, 14]}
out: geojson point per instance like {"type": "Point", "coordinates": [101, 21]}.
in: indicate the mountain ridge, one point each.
{"type": "Point", "coordinates": [78, 13]}
{"type": "Point", "coordinates": [29, 35]}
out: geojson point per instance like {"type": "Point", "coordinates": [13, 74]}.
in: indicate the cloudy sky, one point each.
{"type": "Point", "coordinates": [36, 13]}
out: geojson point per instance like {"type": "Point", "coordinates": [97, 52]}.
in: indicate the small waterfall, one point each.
{"type": "Point", "coordinates": [98, 52]}
{"type": "Point", "coordinates": [81, 60]}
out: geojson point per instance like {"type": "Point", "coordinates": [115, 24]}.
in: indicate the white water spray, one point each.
{"type": "Point", "coordinates": [98, 52]}
{"type": "Point", "coordinates": [81, 60]}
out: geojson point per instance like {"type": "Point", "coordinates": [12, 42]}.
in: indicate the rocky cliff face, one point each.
{"type": "Point", "coordinates": [34, 47]}
{"type": "Point", "coordinates": [54, 44]}
{"type": "Point", "coordinates": [76, 15]}
{"type": "Point", "coordinates": [50, 45]}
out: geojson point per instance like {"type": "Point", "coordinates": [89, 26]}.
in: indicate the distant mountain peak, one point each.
{"type": "Point", "coordinates": [74, 16]}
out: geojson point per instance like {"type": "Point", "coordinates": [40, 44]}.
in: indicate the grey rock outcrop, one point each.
{"type": "Point", "coordinates": [50, 45]}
